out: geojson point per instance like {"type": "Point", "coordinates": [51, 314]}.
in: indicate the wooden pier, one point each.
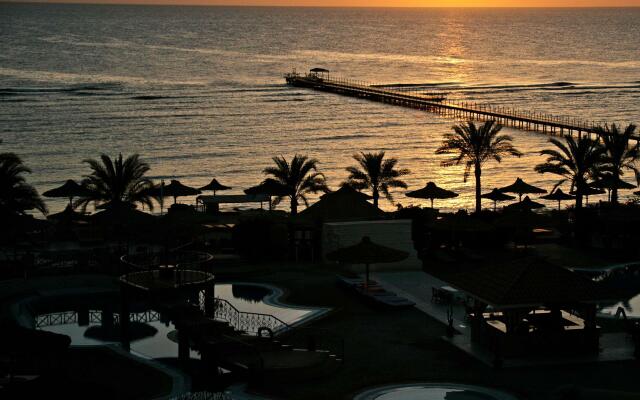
{"type": "Point", "coordinates": [437, 102]}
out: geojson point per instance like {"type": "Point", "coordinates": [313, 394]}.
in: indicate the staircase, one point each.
{"type": "Point", "coordinates": [261, 348]}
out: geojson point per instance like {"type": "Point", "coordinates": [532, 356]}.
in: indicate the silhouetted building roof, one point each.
{"type": "Point", "coordinates": [345, 204]}
{"type": "Point", "coordinates": [525, 284]}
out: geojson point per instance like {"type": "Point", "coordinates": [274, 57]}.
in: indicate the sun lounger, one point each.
{"type": "Point", "coordinates": [374, 292]}
{"type": "Point", "coordinates": [353, 282]}
{"type": "Point", "coordinates": [392, 300]}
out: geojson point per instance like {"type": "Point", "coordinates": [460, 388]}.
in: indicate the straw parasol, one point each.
{"type": "Point", "coordinates": [214, 186]}
{"type": "Point", "coordinates": [496, 195]}
{"type": "Point", "coordinates": [558, 195]}
{"type": "Point", "coordinates": [431, 191]}
{"type": "Point", "coordinates": [67, 215]}
{"type": "Point", "coordinates": [176, 189]}
{"type": "Point", "coordinates": [122, 215]}
{"type": "Point", "coordinates": [526, 204]}
{"type": "Point", "coordinates": [520, 187]}
{"type": "Point", "coordinates": [610, 182]}
{"type": "Point", "coordinates": [69, 189]}
{"type": "Point", "coordinates": [588, 191]}
{"type": "Point", "coordinates": [268, 187]}
{"type": "Point", "coordinates": [366, 252]}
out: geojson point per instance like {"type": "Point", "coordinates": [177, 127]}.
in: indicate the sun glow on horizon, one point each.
{"type": "Point", "coordinates": [369, 3]}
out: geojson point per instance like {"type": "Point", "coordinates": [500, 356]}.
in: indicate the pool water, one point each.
{"type": "Point", "coordinates": [151, 332]}
{"type": "Point", "coordinates": [631, 308]}
{"type": "Point", "coordinates": [622, 279]}
{"type": "Point", "coordinates": [433, 391]}
{"type": "Point", "coordinates": [262, 300]}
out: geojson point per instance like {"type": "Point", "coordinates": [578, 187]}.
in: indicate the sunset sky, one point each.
{"type": "Point", "coordinates": [383, 3]}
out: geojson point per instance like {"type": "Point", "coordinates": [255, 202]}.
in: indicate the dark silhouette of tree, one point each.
{"type": "Point", "coordinates": [576, 161]}
{"type": "Point", "coordinates": [475, 145]}
{"type": "Point", "coordinates": [377, 174]}
{"type": "Point", "coordinates": [118, 182]}
{"type": "Point", "coordinates": [299, 178]}
{"type": "Point", "coordinates": [16, 195]}
{"type": "Point", "coordinates": [620, 153]}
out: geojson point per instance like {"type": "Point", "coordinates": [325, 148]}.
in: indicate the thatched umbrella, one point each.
{"type": "Point", "coordinates": [366, 252]}
{"type": "Point", "coordinates": [609, 182]}
{"type": "Point", "coordinates": [68, 215]}
{"type": "Point", "coordinates": [268, 187]}
{"type": "Point", "coordinates": [176, 189]}
{"type": "Point", "coordinates": [558, 195]}
{"type": "Point", "coordinates": [431, 191]}
{"type": "Point", "coordinates": [122, 215]}
{"type": "Point", "coordinates": [520, 187]}
{"type": "Point", "coordinates": [496, 195]}
{"type": "Point", "coordinates": [588, 191]}
{"type": "Point", "coordinates": [526, 204]}
{"type": "Point", "coordinates": [214, 186]}
{"type": "Point", "coordinates": [69, 189]}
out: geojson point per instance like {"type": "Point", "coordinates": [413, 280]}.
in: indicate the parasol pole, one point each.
{"type": "Point", "coordinates": [366, 279]}
{"type": "Point", "coordinates": [161, 196]}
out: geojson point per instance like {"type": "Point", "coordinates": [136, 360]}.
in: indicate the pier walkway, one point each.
{"type": "Point", "coordinates": [436, 102]}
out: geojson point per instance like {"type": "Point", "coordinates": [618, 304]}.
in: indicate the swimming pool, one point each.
{"type": "Point", "coordinates": [92, 320]}
{"type": "Point", "coordinates": [433, 391]}
{"type": "Point", "coordinates": [623, 279]}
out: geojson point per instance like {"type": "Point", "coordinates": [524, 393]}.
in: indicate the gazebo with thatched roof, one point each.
{"type": "Point", "coordinates": [532, 307]}
{"type": "Point", "coordinates": [345, 204]}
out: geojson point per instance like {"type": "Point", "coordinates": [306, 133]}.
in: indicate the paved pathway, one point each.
{"type": "Point", "coordinates": [416, 286]}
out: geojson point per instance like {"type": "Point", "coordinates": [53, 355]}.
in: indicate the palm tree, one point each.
{"type": "Point", "coordinates": [475, 145]}
{"type": "Point", "coordinates": [16, 195]}
{"type": "Point", "coordinates": [118, 181]}
{"type": "Point", "coordinates": [620, 155]}
{"type": "Point", "coordinates": [575, 161]}
{"type": "Point", "coordinates": [376, 173]}
{"type": "Point", "coordinates": [299, 178]}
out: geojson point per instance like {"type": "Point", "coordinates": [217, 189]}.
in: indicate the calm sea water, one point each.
{"type": "Point", "coordinates": [199, 93]}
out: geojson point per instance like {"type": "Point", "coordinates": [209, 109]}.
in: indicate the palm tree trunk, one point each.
{"type": "Point", "coordinates": [578, 200]}
{"type": "Point", "coordinates": [294, 205]}
{"type": "Point", "coordinates": [478, 173]}
{"type": "Point", "coordinates": [614, 190]}
{"type": "Point", "coordinates": [375, 196]}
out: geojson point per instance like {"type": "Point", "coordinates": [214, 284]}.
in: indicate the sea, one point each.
{"type": "Point", "coordinates": [199, 92]}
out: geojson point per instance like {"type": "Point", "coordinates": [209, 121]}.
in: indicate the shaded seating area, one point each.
{"type": "Point", "coordinates": [532, 308]}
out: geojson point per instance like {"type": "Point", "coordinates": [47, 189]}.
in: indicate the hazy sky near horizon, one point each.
{"type": "Point", "coordinates": [378, 3]}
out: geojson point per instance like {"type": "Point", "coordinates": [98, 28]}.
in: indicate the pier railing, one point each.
{"type": "Point", "coordinates": [437, 101]}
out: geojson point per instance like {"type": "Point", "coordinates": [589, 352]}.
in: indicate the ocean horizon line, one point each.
{"type": "Point", "coordinates": [198, 4]}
